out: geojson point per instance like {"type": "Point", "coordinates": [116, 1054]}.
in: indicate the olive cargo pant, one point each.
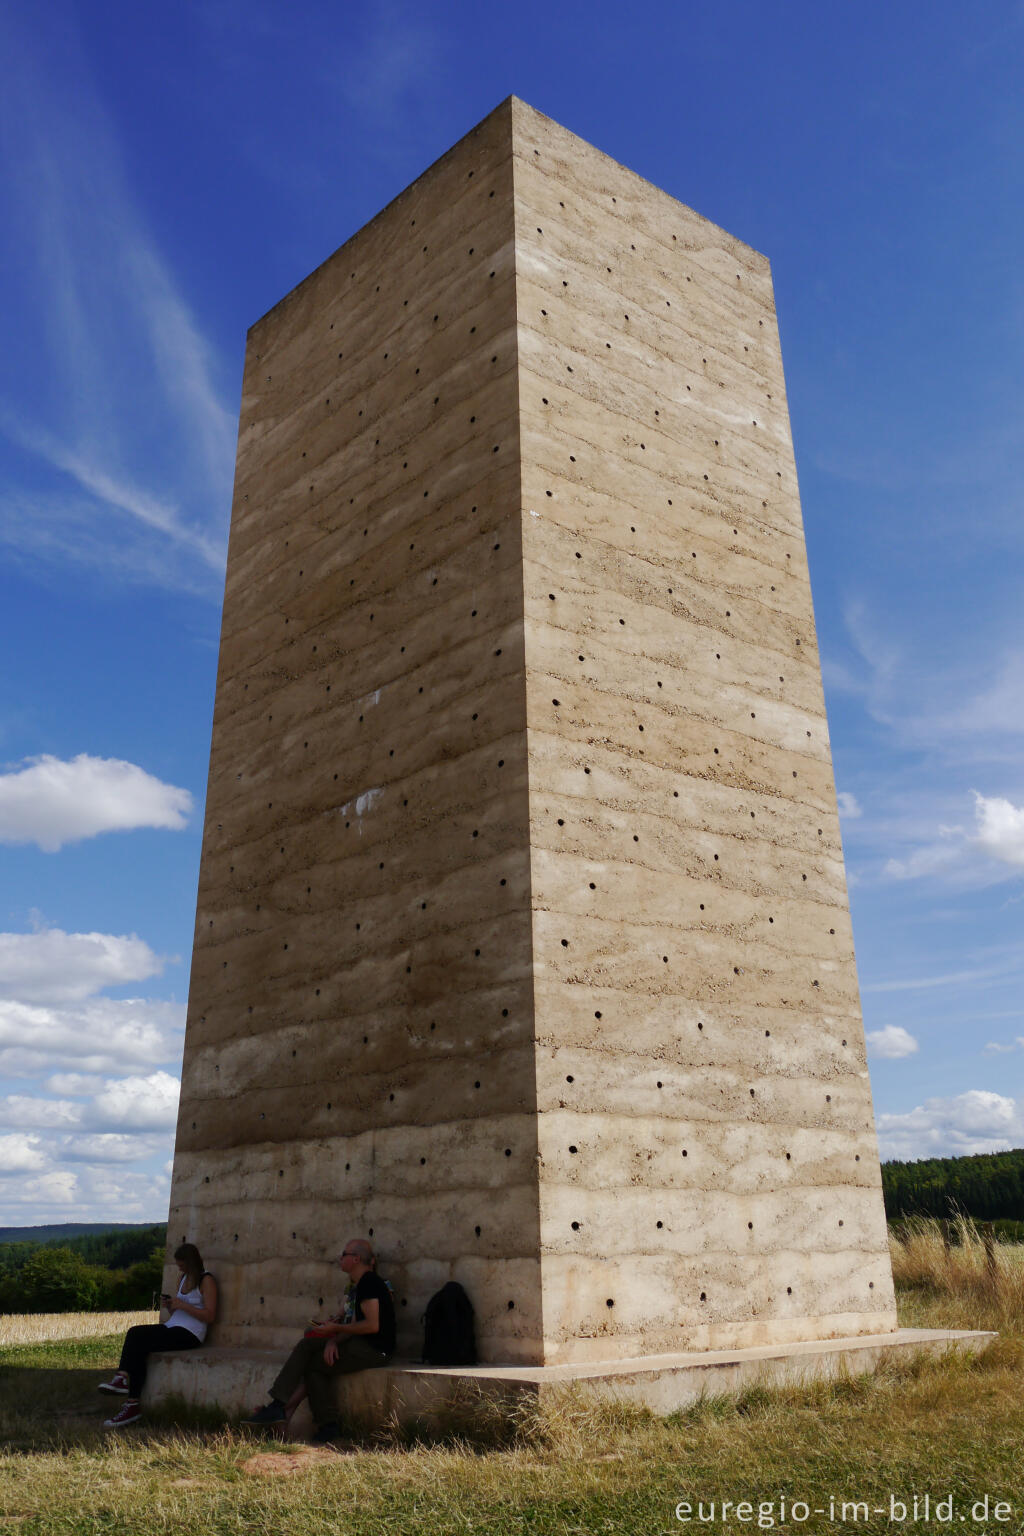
{"type": "Point", "coordinates": [306, 1364]}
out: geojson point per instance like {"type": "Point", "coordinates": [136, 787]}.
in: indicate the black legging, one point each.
{"type": "Point", "coordinates": [146, 1339]}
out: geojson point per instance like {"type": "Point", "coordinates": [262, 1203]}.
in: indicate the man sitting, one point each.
{"type": "Point", "coordinates": [332, 1347]}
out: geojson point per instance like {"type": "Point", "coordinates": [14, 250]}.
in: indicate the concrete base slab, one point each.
{"type": "Point", "coordinates": [236, 1381]}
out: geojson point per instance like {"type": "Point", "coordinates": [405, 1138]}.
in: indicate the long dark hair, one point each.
{"type": "Point", "coordinates": [188, 1255]}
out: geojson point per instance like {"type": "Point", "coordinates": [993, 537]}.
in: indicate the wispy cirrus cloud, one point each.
{"type": "Point", "coordinates": [384, 80]}
{"type": "Point", "coordinates": [990, 850]}
{"type": "Point", "coordinates": [118, 433]}
{"type": "Point", "coordinates": [391, 63]}
{"type": "Point", "coordinates": [973, 976]}
{"type": "Point", "coordinates": [941, 782]}
{"type": "Point", "coordinates": [155, 515]}
{"type": "Point", "coordinates": [964, 707]}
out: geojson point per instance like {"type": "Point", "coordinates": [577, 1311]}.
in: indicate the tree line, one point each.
{"type": "Point", "coordinates": [119, 1270]}
{"type": "Point", "coordinates": [115, 1271]}
{"type": "Point", "coordinates": [987, 1187]}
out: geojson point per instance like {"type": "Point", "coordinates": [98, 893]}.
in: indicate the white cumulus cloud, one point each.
{"type": "Point", "coordinates": [106, 1147]}
{"type": "Point", "coordinates": [122, 1104]}
{"type": "Point", "coordinates": [26, 1109]}
{"type": "Point", "coordinates": [1000, 829]}
{"type": "Point", "coordinates": [849, 806]}
{"type": "Point", "coordinates": [52, 802]}
{"type": "Point", "coordinates": [28, 1200]}
{"type": "Point", "coordinates": [101, 1035]}
{"type": "Point", "coordinates": [88, 1083]}
{"type": "Point", "coordinates": [83, 1193]}
{"type": "Point", "coordinates": [21, 1154]}
{"type": "Point", "coordinates": [74, 1085]}
{"type": "Point", "coordinates": [975, 1121]}
{"type": "Point", "coordinates": [891, 1043]}
{"type": "Point", "coordinates": [137, 1103]}
{"type": "Point", "coordinates": [52, 966]}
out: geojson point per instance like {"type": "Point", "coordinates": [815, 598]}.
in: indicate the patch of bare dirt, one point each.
{"type": "Point", "coordinates": [287, 1463]}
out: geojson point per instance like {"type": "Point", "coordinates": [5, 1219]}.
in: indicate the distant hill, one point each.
{"type": "Point", "coordinates": [60, 1233]}
{"type": "Point", "coordinates": [81, 1266]}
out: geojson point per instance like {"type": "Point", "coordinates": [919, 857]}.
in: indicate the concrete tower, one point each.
{"type": "Point", "coordinates": [523, 938]}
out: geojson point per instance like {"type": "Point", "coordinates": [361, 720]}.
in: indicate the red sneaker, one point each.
{"type": "Point", "coordinates": [129, 1413]}
{"type": "Point", "coordinates": [118, 1383]}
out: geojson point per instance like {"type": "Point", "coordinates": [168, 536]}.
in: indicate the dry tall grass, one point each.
{"type": "Point", "coordinates": [945, 1425]}
{"type": "Point", "coordinates": [42, 1327]}
{"type": "Point", "coordinates": [949, 1427]}
{"type": "Point", "coordinates": [959, 1283]}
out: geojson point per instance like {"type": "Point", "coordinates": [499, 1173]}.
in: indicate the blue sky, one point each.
{"type": "Point", "coordinates": [172, 172]}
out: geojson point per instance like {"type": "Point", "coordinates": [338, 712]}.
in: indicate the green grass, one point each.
{"type": "Point", "coordinates": [93, 1354]}
{"type": "Point", "coordinates": [953, 1426]}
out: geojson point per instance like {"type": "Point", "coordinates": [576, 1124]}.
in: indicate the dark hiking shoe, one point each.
{"type": "Point", "coordinates": [270, 1413]}
{"type": "Point", "coordinates": [326, 1434]}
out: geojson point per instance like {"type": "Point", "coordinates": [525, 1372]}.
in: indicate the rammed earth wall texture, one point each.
{"type": "Point", "coordinates": [523, 939]}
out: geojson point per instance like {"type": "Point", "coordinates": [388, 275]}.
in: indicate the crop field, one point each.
{"type": "Point", "coordinates": [48, 1327]}
{"type": "Point", "coordinates": [950, 1428]}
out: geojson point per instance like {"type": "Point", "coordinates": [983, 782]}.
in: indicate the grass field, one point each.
{"type": "Point", "coordinates": [952, 1428]}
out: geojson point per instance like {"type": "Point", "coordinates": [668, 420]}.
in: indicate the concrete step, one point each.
{"type": "Point", "coordinates": [237, 1381]}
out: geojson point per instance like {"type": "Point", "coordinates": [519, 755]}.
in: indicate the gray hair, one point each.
{"type": "Point", "coordinates": [362, 1249]}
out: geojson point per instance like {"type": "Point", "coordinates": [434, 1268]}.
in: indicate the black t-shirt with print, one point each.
{"type": "Point", "coordinates": [371, 1287]}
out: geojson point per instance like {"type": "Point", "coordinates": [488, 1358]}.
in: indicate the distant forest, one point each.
{"type": "Point", "coordinates": [59, 1232]}
{"type": "Point", "coordinates": [987, 1187]}
{"type": "Point", "coordinates": [118, 1268]}
{"type": "Point", "coordinates": [100, 1270]}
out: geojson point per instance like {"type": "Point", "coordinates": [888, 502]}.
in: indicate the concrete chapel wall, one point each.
{"type": "Point", "coordinates": [709, 1171]}
{"type": "Point", "coordinates": [359, 1046]}
{"type": "Point", "coordinates": [522, 938]}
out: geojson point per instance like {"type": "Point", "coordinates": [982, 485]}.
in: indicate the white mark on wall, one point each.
{"type": "Point", "coordinates": [365, 802]}
{"type": "Point", "coordinates": [533, 513]}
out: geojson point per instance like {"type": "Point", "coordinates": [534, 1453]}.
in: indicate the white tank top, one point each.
{"type": "Point", "coordinates": [180, 1319]}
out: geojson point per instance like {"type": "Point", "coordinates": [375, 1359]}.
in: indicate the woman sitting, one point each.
{"type": "Point", "coordinates": [192, 1309]}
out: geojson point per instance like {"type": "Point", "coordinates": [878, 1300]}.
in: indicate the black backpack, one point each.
{"type": "Point", "coordinates": [448, 1334]}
